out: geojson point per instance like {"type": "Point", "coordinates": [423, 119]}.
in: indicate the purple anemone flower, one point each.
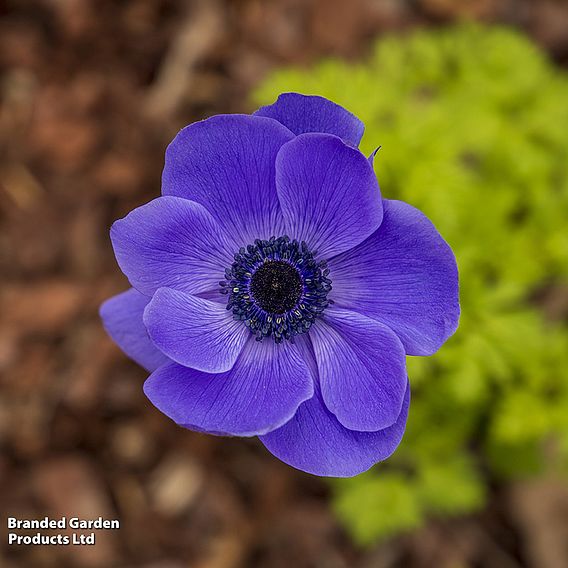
{"type": "Point", "coordinates": [276, 294]}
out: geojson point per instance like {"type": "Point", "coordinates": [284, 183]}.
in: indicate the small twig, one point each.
{"type": "Point", "coordinates": [197, 34]}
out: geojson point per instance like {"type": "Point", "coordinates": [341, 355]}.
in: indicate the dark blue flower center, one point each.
{"type": "Point", "coordinates": [277, 288]}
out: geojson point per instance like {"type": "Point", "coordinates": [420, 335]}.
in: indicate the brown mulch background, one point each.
{"type": "Point", "coordinates": [91, 91]}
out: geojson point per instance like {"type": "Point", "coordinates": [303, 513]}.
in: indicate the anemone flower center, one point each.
{"type": "Point", "coordinates": [277, 288]}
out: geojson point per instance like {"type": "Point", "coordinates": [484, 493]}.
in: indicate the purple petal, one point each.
{"type": "Point", "coordinates": [261, 392]}
{"type": "Point", "coordinates": [309, 113]}
{"type": "Point", "coordinates": [122, 318]}
{"type": "Point", "coordinates": [371, 157]}
{"type": "Point", "coordinates": [315, 442]}
{"type": "Point", "coordinates": [405, 276]}
{"type": "Point", "coordinates": [226, 163]}
{"type": "Point", "coordinates": [362, 369]}
{"type": "Point", "coordinates": [174, 243]}
{"type": "Point", "coordinates": [328, 192]}
{"type": "Point", "coordinates": [194, 332]}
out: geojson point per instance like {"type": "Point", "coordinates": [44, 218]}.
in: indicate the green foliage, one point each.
{"type": "Point", "coordinates": [383, 505]}
{"type": "Point", "coordinates": [473, 124]}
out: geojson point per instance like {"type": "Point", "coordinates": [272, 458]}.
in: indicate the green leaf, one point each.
{"type": "Point", "coordinates": [378, 506]}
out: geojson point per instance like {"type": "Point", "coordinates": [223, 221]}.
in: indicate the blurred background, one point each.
{"type": "Point", "coordinates": [469, 100]}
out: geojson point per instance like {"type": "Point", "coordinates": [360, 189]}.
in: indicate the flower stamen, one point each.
{"type": "Point", "coordinates": [277, 288]}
